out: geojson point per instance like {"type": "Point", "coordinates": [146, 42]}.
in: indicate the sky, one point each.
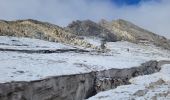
{"type": "Point", "coordinates": [153, 15]}
{"type": "Point", "coordinates": [126, 2]}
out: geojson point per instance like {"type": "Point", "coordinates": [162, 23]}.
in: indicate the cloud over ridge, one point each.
{"type": "Point", "coordinates": [152, 15]}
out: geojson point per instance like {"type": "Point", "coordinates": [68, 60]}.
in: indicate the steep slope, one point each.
{"type": "Point", "coordinates": [92, 29]}
{"type": "Point", "coordinates": [40, 30]}
{"type": "Point", "coordinates": [128, 31]}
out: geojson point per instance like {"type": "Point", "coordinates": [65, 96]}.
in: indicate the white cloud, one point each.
{"type": "Point", "coordinates": [154, 16]}
{"type": "Point", "coordinates": [150, 15]}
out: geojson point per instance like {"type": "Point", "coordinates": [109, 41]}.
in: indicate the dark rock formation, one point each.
{"type": "Point", "coordinates": [74, 87]}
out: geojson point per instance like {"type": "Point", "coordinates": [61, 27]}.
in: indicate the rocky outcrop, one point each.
{"type": "Point", "coordinates": [74, 87]}
{"type": "Point", "coordinates": [91, 29]}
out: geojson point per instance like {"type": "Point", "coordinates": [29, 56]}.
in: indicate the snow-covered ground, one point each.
{"type": "Point", "coordinates": [17, 66]}
{"type": "Point", "coordinates": [93, 40]}
{"type": "Point", "coordinates": [148, 87]}
{"type": "Point", "coordinates": [29, 44]}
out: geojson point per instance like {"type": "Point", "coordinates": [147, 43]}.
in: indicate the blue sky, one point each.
{"type": "Point", "coordinates": [150, 14]}
{"type": "Point", "coordinates": [126, 2]}
{"type": "Point", "coordinates": [131, 2]}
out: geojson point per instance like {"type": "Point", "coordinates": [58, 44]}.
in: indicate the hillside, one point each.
{"type": "Point", "coordinates": [40, 30]}
{"type": "Point", "coordinates": [128, 31]}
{"type": "Point", "coordinates": [89, 28]}
{"type": "Point", "coordinates": [75, 32]}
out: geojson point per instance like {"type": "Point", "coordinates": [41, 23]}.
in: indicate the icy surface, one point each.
{"type": "Point", "coordinates": [17, 66]}
{"type": "Point", "coordinates": [148, 87]}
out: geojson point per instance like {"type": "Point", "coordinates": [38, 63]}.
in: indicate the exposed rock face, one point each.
{"type": "Point", "coordinates": [40, 30]}
{"type": "Point", "coordinates": [90, 28]}
{"type": "Point", "coordinates": [127, 31]}
{"type": "Point", "coordinates": [75, 87]}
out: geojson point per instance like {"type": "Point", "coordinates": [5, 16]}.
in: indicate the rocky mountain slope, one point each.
{"type": "Point", "coordinates": [91, 29]}
{"type": "Point", "coordinates": [117, 30]}
{"type": "Point", "coordinates": [40, 30]}
{"type": "Point", "coordinates": [128, 31]}
{"type": "Point", "coordinates": [73, 34]}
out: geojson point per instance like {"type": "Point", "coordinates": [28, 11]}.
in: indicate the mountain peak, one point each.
{"type": "Point", "coordinates": [91, 29]}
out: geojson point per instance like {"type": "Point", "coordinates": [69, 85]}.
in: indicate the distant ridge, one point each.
{"type": "Point", "coordinates": [73, 34]}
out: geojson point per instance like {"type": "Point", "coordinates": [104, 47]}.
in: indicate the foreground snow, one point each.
{"type": "Point", "coordinates": [147, 87]}
{"type": "Point", "coordinates": [17, 66]}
